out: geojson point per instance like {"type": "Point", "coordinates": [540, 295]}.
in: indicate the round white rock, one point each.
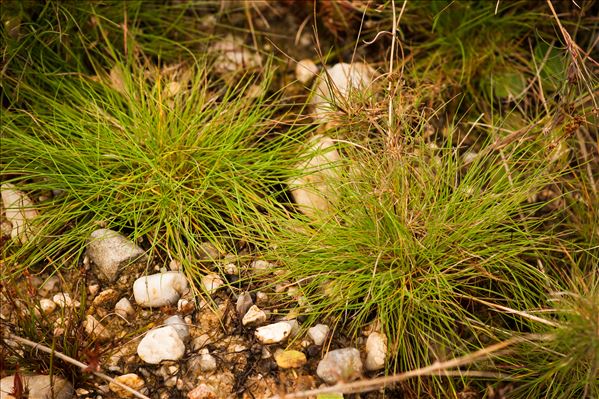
{"type": "Point", "coordinates": [161, 344]}
{"type": "Point", "coordinates": [160, 289]}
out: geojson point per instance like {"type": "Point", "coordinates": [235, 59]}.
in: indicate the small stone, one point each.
{"type": "Point", "coordinates": [305, 70]}
{"type": "Point", "coordinates": [105, 298]}
{"type": "Point", "coordinates": [179, 325]}
{"type": "Point", "coordinates": [50, 285]}
{"type": "Point", "coordinates": [174, 265]}
{"type": "Point", "coordinates": [202, 391]}
{"type": "Point", "coordinates": [340, 365]}
{"type": "Point", "coordinates": [273, 333]}
{"type": "Point", "coordinates": [47, 306]}
{"type": "Point", "coordinates": [185, 306]}
{"type": "Point", "coordinates": [207, 362]}
{"type": "Point", "coordinates": [335, 86]}
{"type": "Point", "coordinates": [109, 251]}
{"type": "Point", "coordinates": [261, 265]}
{"type": "Point", "coordinates": [254, 316]}
{"type": "Point", "coordinates": [318, 333]}
{"type": "Point", "coordinates": [93, 289]}
{"type": "Point", "coordinates": [159, 289]}
{"type": "Point", "coordinates": [261, 298]}
{"type": "Point", "coordinates": [63, 299]}
{"type": "Point", "coordinates": [231, 269]}
{"type": "Point", "coordinates": [208, 251]}
{"type": "Point", "coordinates": [244, 303]}
{"type": "Point", "coordinates": [376, 351]}
{"type": "Point", "coordinates": [161, 344]}
{"type": "Point", "coordinates": [290, 359]}
{"type": "Point", "coordinates": [233, 57]}
{"type": "Point", "coordinates": [312, 190]}
{"type": "Point", "coordinates": [124, 308]}
{"type": "Point", "coordinates": [211, 282]}
{"type": "Point", "coordinates": [95, 329]}
{"type": "Point", "coordinates": [39, 387]}
{"type": "Point", "coordinates": [19, 212]}
{"type": "Point", "coordinates": [131, 380]}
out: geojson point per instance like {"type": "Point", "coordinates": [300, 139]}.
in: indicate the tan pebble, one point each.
{"type": "Point", "coordinates": [105, 298]}
{"type": "Point", "coordinates": [290, 359]}
{"type": "Point", "coordinates": [95, 329]}
{"type": "Point", "coordinates": [131, 380]}
{"type": "Point", "coordinates": [47, 305]}
{"type": "Point", "coordinates": [202, 391]}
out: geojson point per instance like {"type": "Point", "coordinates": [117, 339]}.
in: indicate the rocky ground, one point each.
{"type": "Point", "coordinates": [161, 340]}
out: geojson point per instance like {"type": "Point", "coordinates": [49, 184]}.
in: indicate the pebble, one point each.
{"type": "Point", "coordinates": [376, 351]}
{"type": "Point", "coordinates": [231, 269]}
{"type": "Point", "coordinates": [290, 359]}
{"type": "Point", "coordinates": [50, 285]}
{"type": "Point", "coordinates": [260, 265]}
{"type": "Point", "coordinates": [340, 365]}
{"type": "Point", "coordinates": [233, 57]}
{"type": "Point", "coordinates": [47, 305]}
{"type": "Point", "coordinates": [319, 333]}
{"type": "Point", "coordinates": [312, 190]}
{"type": "Point", "coordinates": [39, 387]}
{"type": "Point", "coordinates": [159, 289]}
{"type": "Point", "coordinates": [244, 303]}
{"type": "Point", "coordinates": [19, 212]}
{"type": "Point", "coordinates": [161, 344]}
{"type": "Point", "coordinates": [202, 391]}
{"type": "Point", "coordinates": [105, 298]}
{"type": "Point", "coordinates": [208, 251]}
{"type": "Point", "coordinates": [305, 70]}
{"type": "Point", "coordinates": [254, 316]}
{"type": "Point", "coordinates": [273, 333]}
{"type": "Point", "coordinates": [63, 299]}
{"type": "Point", "coordinates": [109, 250]}
{"type": "Point", "coordinates": [335, 85]}
{"type": "Point", "coordinates": [95, 329]}
{"type": "Point", "coordinates": [207, 361]}
{"type": "Point", "coordinates": [124, 308]}
{"type": "Point", "coordinates": [211, 282]}
{"type": "Point", "coordinates": [131, 380]}
{"type": "Point", "coordinates": [179, 325]}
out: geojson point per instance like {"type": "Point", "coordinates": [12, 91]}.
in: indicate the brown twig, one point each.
{"type": "Point", "coordinates": [77, 363]}
{"type": "Point", "coordinates": [438, 368]}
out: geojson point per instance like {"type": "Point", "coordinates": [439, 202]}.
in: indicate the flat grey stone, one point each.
{"type": "Point", "coordinates": [109, 251]}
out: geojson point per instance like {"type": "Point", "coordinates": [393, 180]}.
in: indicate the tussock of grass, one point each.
{"type": "Point", "coordinates": [174, 168]}
{"type": "Point", "coordinates": [416, 240]}
{"type": "Point", "coordinates": [567, 364]}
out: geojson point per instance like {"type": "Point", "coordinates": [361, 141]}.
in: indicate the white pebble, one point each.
{"type": "Point", "coordinates": [273, 333]}
{"type": "Point", "coordinates": [376, 351]}
{"type": "Point", "coordinates": [95, 329]}
{"type": "Point", "coordinates": [254, 316]}
{"type": "Point", "coordinates": [161, 344]}
{"type": "Point", "coordinates": [63, 299]}
{"type": "Point", "coordinates": [305, 70]}
{"type": "Point", "coordinates": [261, 265]}
{"type": "Point", "coordinates": [340, 365]}
{"type": "Point", "coordinates": [207, 362]}
{"type": "Point", "coordinates": [318, 333]}
{"type": "Point", "coordinates": [159, 289]}
{"type": "Point", "coordinates": [47, 305]}
{"type": "Point", "coordinates": [211, 282]}
{"type": "Point", "coordinates": [124, 308]}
